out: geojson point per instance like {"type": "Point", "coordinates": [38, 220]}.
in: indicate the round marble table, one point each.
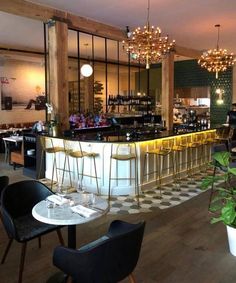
{"type": "Point", "coordinates": [63, 215]}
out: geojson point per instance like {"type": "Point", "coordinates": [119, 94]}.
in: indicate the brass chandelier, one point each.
{"type": "Point", "coordinates": [216, 60]}
{"type": "Point", "coordinates": [146, 45]}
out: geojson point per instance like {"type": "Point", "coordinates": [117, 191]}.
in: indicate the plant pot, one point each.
{"type": "Point", "coordinates": [54, 131]}
{"type": "Point", "coordinates": [231, 231]}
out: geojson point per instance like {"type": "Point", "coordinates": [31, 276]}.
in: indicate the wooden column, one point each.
{"type": "Point", "coordinates": [58, 70]}
{"type": "Point", "coordinates": [167, 95]}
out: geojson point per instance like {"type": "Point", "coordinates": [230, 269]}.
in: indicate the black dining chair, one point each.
{"type": "Point", "coordinates": [4, 181]}
{"type": "Point", "coordinates": [109, 259]}
{"type": "Point", "coordinates": [17, 201]}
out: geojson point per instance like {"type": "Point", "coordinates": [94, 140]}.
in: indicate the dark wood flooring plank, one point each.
{"type": "Point", "coordinates": [180, 246]}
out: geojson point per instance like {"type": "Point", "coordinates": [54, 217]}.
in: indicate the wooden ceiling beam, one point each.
{"type": "Point", "coordinates": [13, 48]}
{"type": "Point", "coordinates": [44, 14]}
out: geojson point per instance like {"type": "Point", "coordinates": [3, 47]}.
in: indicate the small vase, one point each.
{"type": "Point", "coordinates": [55, 131]}
{"type": "Point", "coordinates": [232, 239]}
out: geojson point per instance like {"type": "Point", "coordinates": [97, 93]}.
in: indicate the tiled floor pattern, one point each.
{"type": "Point", "coordinates": [149, 200]}
{"type": "Point", "coordinates": [172, 194]}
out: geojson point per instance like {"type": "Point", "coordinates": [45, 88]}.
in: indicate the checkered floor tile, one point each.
{"type": "Point", "coordinates": [172, 194]}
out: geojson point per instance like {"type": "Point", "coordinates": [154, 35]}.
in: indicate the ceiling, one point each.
{"type": "Point", "coordinates": [190, 22]}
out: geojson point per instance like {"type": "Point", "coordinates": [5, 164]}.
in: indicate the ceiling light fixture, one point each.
{"type": "Point", "coordinates": [216, 60]}
{"type": "Point", "coordinates": [86, 69]}
{"type": "Point", "coordinates": [220, 93]}
{"type": "Point", "coordinates": [146, 45]}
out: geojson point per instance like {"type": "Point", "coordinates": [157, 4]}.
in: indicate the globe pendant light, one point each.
{"type": "Point", "coordinates": [86, 69]}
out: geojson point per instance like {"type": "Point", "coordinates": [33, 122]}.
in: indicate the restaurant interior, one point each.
{"type": "Point", "coordinates": [115, 131]}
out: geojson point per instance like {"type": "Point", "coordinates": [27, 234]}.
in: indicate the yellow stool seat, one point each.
{"type": "Point", "coordinates": [123, 156]}
{"type": "Point", "coordinates": [78, 153]}
{"type": "Point", "coordinates": [54, 149]}
{"type": "Point", "coordinates": [161, 151]}
{"type": "Point", "coordinates": [48, 147]}
{"type": "Point", "coordinates": [124, 152]}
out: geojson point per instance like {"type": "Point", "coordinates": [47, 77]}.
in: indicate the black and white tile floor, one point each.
{"type": "Point", "coordinates": [149, 200]}
{"type": "Point", "coordinates": [172, 194]}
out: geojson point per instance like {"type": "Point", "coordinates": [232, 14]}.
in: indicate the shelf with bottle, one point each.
{"type": "Point", "coordinates": [129, 100]}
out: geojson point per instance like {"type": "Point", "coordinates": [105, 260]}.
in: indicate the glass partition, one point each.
{"type": "Point", "coordinates": [99, 87]}
{"type": "Point", "coordinates": [112, 74]}
{"type": "Point", "coordinates": [85, 46]}
{"type": "Point", "coordinates": [124, 81]}
{"type": "Point", "coordinates": [72, 43]}
{"type": "Point", "coordinates": [123, 56]}
{"type": "Point", "coordinates": [99, 48]}
{"type": "Point", "coordinates": [112, 50]}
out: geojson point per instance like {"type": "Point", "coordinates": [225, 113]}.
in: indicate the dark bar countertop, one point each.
{"type": "Point", "coordinates": [131, 134]}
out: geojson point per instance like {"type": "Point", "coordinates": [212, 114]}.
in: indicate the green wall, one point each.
{"type": "Point", "coordinates": [190, 74]}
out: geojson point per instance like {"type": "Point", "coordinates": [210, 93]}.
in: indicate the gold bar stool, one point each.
{"type": "Point", "coordinates": [48, 147]}
{"type": "Point", "coordinates": [225, 135]}
{"type": "Point", "coordinates": [179, 149]}
{"type": "Point", "coordinates": [191, 144]}
{"type": "Point", "coordinates": [161, 152]}
{"type": "Point", "coordinates": [198, 139]}
{"type": "Point", "coordinates": [209, 140]}
{"type": "Point", "coordinates": [124, 152]}
{"type": "Point", "coordinates": [74, 149]}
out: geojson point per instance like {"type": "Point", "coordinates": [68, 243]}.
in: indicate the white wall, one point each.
{"type": "Point", "coordinates": [21, 80]}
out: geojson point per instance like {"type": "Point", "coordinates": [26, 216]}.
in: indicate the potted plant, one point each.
{"type": "Point", "coordinates": [223, 203]}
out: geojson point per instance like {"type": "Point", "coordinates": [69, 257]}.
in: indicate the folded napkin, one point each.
{"type": "Point", "coordinates": [57, 199]}
{"type": "Point", "coordinates": [84, 211]}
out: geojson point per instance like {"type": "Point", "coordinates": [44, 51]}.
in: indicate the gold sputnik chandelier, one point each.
{"type": "Point", "coordinates": [146, 45]}
{"type": "Point", "coordinates": [216, 60]}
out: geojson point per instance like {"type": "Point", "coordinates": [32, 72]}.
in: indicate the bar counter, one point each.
{"type": "Point", "coordinates": [144, 139]}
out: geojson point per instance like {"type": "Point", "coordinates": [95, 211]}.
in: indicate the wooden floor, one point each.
{"type": "Point", "coordinates": [179, 246]}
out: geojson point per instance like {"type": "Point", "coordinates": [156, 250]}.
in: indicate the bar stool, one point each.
{"type": "Point", "coordinates": [124, 153]}
{"type": "Point", "coordinates": [161, 152]}
{"type": "Point", "coordinates": [74, 149]}
{"type": "Point", "coordinates": [224, 135]}
{"type": "Point", "coordinates": [198, 139]}
{"type": "Point", "coordinates": [191, 145]}
{"type": "Point", "coordinates": [179, 148]}
{"type": "Point", "coordinates": [208, 140]}
{"type": "Point", "coordinates": [48, 147]}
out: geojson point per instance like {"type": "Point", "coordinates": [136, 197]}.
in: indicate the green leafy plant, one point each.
{"type": "Point", "coordinates": [223, 204]}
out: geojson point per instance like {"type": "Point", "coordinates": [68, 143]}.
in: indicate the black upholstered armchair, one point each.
{"type": "Point", "coordinates": [109, 259]}
{"type": "Point", "coordinates": [17, 201]}
{"type": "Point", "coordinates": [4, 181]}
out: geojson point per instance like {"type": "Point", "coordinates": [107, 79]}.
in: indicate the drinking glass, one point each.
{"type": "Point", "coordinates": [60, 190]}
{"type": "Point", "coordinates": [80, 187]}
{"type": "Point", "coordinates": [91, 199]}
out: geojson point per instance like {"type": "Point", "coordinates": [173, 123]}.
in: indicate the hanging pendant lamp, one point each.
{"type": "Point", "coordinates": [147, 45]}
{"type": "Point", "coordinates": [216, 60]}
{"type": "Point", "coordinates": [86, 69]}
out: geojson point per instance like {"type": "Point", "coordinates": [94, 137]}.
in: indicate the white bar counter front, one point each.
{"type": "Point", "coordinates": [123, 169]}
